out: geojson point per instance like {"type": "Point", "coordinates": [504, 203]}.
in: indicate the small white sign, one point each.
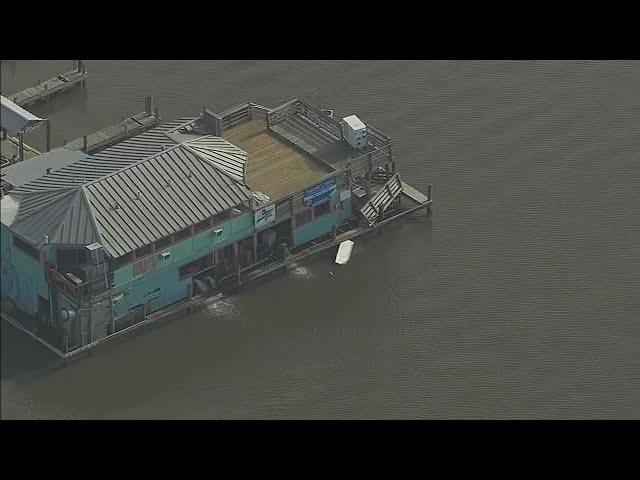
{"type": "Point", "coordinates": [265, 215]}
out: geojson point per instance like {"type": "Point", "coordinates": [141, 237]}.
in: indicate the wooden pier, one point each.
{"type": "Point", "coordinates": [115, 133]}
{"type": "Point", "coordinates": [58, 84]}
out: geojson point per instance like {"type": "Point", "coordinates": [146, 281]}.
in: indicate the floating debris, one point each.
{"type": "Point", "coordinates": [344, 252]}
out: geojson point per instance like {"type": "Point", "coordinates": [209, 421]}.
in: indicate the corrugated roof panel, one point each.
{"type": "Point", "coordinates": [224, 155]}
{"type": "Point", "coordinates": [63, 217]}
{"type": "Point", "coordinates": [89, 168]}
{"type": "Point", "coordinates": [159, 196]}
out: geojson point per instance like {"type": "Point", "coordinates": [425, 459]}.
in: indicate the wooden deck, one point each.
{"type": "Point", "coordinates": [273, 167]}
{"type": "Point", "coordinates": [115, 133]}
{"type": "Point", "coordinates": [10, 151]}
{"type": "Point", "coordinates": [44, 90]}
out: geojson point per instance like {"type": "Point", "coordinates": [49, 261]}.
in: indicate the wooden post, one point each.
{"type": "Point", "coordinates": [48, 134]}
{"type": "Point", "coordinates": [148, 102]}
{"type": "Point", "coordinates": [370, 165]}
{"type": "Point", "coordinates": [255, 247]}
{"type": "Point", "coordinates": [236, 258]}
{"type": "Point", "coordinates": [84, 141]}
{"type": "Point", "coordinates": [156, 112]}
{"type": "Point", "coordinates": [21, 146]}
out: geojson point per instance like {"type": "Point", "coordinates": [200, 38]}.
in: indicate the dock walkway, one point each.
{"type": "Point", "coordinates": [52, 86]}
{"type": "Point", "coordinates": [414, 194]}
{"type": "Point", "coordinates": [115, 133]}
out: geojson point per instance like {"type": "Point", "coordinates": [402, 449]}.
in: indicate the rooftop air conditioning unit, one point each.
{"type": "Point", "coordinates": [165, 255]}
{"type": "Point", "coordinates": [354, 132]}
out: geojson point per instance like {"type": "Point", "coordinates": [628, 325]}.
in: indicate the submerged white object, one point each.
{"type": "Point", "coordinates": [344, 252]}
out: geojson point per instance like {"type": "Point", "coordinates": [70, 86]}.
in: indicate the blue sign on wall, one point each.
{"type": "Point", "coordinates": [319, 193]}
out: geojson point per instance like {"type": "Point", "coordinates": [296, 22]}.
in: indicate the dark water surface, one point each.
{"type": "Point", "coordinates": [519, 297]}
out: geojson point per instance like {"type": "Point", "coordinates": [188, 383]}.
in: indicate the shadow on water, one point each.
{"type": "Point", "coordinates": [22, 357]}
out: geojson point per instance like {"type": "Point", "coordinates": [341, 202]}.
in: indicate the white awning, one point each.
{"type": "Point", "coordinates": [14, 118]}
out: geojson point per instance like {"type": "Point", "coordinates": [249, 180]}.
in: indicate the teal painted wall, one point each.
{"type": "Point", "coordinates": [23, 277]}
{"type": "Point", "coordinates": [322, 225]}
{"type": "Point", "coordinates": [193, 247]}
{"type": "Point", "coordinates": [143, 288]}
{"type": "Point", "coordinates": [5, 260]}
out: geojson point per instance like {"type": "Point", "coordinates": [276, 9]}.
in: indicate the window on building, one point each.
{"type": "Point", "coordinates": [71, 256]}
{"type": "Point", "coordinates": [196, 266]}
{"type": "Point", "coordinates": [221, 217]}
{"type": "Point", "coordinates": [143, 251]}
{"type": "Point", "coordinates": [182, 234]}
{"type": "Point", "coordinates": [201, 226]}
{"type": "Point", "coordinates": [322, 209]}
{"type": "Point", "coordinates": [145, 265]}
{"type": "Point", "coordinates": [26, 248]}
{"type": "Point", "coordinates": [303, 217]}
{"type": "Point", "coordinates": [163, 242]}
{"type": "Point", "coordinates": [116, 263]}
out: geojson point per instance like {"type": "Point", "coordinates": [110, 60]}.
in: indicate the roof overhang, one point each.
{"type": "Point", "coordinates": [14, 118]}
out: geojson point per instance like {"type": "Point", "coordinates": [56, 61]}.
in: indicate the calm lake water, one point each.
{"type": "Point", "coordinates": [519, 297]}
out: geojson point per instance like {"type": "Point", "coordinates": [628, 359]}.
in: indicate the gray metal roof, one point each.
{"type": "Point", "coordinates": [159, 196]}
{"type": "Point", "coordinates": [61, 216]}
{"type": "Point", "coordinates": [92, 167]}
{"type": "Point", "coordinates": [130, 194]}
{"type": "Point", "coordinates": [222, 154]}
{"type": "Point", "coordinates": [32, 168]}
{"type": "Point", "coordinates": [14, 118]}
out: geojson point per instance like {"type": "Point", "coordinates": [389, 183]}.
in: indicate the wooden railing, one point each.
{"type": "Point", "coordinates": [77, 293]}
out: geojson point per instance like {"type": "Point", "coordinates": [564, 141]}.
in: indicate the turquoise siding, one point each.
{"type": "Point", "coordinates": [165, 277]}
{"type": "Point", "coordinates": [322, 225]}
{"type": "Point", "coordinates": [5, 260]}
{"type": "Point", "coordinates": [23, 277]}
{"type": "Point", "coordinates": [193, 247]}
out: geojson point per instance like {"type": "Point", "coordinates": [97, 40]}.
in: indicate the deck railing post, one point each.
{"type": "Point", "coordinates": [48, 134]}
{"type": "Point", "coordinates": [21, 146]}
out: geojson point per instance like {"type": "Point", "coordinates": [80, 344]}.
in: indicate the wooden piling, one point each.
{"type": "Point", "coordinates": [48, 121]}
{"type": "Point", "coordinates": [21, 147]}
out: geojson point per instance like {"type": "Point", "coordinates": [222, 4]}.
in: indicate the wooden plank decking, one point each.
{"type": "Point", "coordinates": [273, 167]}
{"type": "Point", "coordinates": [413, 194]}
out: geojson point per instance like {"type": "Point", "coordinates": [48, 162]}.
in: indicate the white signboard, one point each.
{"type": "Point", "coordinates": [265, 215]}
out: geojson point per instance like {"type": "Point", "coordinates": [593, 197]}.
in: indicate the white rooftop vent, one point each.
{"type": "Point", "coordinates": [354, 132]}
